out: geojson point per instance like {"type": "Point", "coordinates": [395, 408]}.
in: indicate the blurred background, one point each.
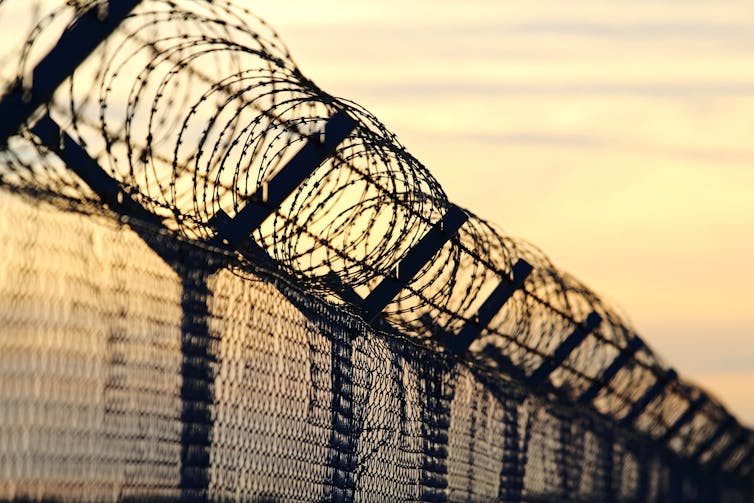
{"type": "Point", "coordinates": [615, 135]}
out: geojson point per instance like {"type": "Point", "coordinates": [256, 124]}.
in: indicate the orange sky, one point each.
{"type": "Point", "coordinates": [614, 135]}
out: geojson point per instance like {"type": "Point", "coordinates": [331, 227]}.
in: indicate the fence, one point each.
{"type": "Point", "coordinates": [290, 307]}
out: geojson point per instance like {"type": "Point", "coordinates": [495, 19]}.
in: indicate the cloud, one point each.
{"type": "Point", "coordinates": [671, 90]}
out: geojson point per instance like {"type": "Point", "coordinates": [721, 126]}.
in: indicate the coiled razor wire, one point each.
{"type": "Point", "coordinates": [194, 106]}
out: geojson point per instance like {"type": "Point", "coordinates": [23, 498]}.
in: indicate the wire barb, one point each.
{"type": "Point", "coordinates": [194, 108]}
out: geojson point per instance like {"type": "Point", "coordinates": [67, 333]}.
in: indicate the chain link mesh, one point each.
{"type": "Point", "coordinates": [150, 360]}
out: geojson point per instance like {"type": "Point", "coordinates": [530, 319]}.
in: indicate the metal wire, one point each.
{"type": "Point", "coordinates": [194, 106]}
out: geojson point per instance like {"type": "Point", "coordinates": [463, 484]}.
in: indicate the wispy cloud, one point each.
{"type": "Point", "coordinates": [617, 135]}
{"type": "Point", "coordinates": [670, 90]}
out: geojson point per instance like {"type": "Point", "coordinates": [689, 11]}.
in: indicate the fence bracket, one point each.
{"type": "Point", "coordinates": [461, 342]}
{"type": "Point", "coordinates": [563, 351]}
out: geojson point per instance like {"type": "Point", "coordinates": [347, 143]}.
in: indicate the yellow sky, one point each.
{"type": "Point", "coordinates": [615, 135]}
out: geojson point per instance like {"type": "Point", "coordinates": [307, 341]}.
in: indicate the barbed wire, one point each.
{"type": "Point", "coordinates": [193, 107]}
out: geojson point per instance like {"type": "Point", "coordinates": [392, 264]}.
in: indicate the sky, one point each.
{"type": "Point", "coordinates": [616, 135]}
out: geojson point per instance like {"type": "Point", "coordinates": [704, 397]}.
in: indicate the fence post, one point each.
{"type": "Point", "coordinates": [197, 348]}
{"type": "Point", "coordinates": [710, 442]}
{"type": "Point", "coordinates": [460, 342]}
{"type": "Point", "coordinates": [515, 455]}
{"type": "Point", "coordinates": [439, 388]}
{"type": "Point", "coordinates": [612, 370]}
{"type": "Point", "coordinates": [542, 373]}
{"type": "Point", "coordinates": [74, 46]}
{"type": "Point", "coordinates": [413, 261]}
{"type": "Point", "coordinates": [684, 418]}
{"type": "Point", "coordinates": [231, 232]}
{"type": "Point", "coordinates": [650, 394]}
{"type": "Point", "coordinates": [343, 443]}
{"type": "Point", "coordinates": [719, 460]}
{"type": "Point", "coordinates": [198, 369]}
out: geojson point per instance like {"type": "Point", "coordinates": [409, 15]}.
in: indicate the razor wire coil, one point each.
{"type": "Point", "coordinates": [194, 106]}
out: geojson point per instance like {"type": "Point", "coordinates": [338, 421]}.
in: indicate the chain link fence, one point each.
{"type": "Point", "coordinates": [220, 282]}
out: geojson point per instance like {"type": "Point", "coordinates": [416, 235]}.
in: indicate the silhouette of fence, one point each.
{"type": "Point", "coordinates": [400, 347]}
